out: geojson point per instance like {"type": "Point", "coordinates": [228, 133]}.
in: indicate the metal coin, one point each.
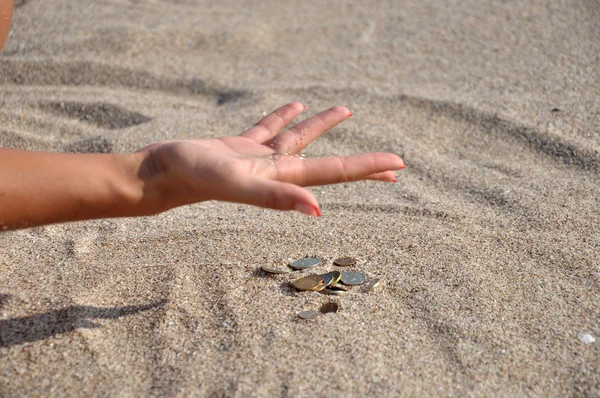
{"type": "Point", "coordinates": [309, 282]}
{"type": "Point", "coordinates": [274, 270]}
{"type": "Point", "coordinates": [337, 275]}
{"type": "Point", "coordinates": [312, 314]}
{"type": "Point", "coordinates": [319, 287]}
{"type": "Point", "coordinates": [327, 278]}
{"type": "Point", "coordinates": [305, 263]}
{"type": "Point", "coordinates": [329, 307]}
{"type": "Point", "coordinates": [333, 292]}
{"type": "Point", "coordinates": [332, 278]}
{"type": "Point", "coordinates": [345, 261]}
{"type": "Point", "coordinates": [373, 285]}
{"type": "Point", "coordinates": [338, 286]}
{"type": "Point", "coordinates": [353, 278]}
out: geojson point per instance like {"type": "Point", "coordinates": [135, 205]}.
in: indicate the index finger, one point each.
{"type": "Point", "coordinates": [270, 125]}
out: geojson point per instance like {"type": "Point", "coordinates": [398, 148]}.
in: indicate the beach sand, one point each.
{"type": "Point", "coordinates": [487, 246]}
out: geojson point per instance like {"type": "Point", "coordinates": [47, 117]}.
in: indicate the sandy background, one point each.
{"type": "Point", "coordinates": [488, 244]}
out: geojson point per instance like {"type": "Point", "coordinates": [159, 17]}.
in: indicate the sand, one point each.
{"type": "Point", "coordinates": [488, 245]}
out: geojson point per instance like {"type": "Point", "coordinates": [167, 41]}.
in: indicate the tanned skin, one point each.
{"type": "Point", "coordinates": [260, 167]}
{"type": "Point", "coordinates": [6, 12]}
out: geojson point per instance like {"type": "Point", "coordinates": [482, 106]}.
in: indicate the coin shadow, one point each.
{"type": "Point", "coordinates": [259, 273]}
{"type": "Point", "coordinates": [287, 289]}
{"type": "Point", "coordinates": [15, 331]}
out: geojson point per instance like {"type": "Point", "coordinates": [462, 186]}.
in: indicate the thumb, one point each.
{"type": "Point", "coordinates": [277, 195]}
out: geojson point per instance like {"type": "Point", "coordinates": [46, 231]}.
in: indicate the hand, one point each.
{"type": "Point", "coordinates": [262, 166]}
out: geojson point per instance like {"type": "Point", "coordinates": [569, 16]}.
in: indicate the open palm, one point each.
{"type": "Point", "coordinates": [263, 166]}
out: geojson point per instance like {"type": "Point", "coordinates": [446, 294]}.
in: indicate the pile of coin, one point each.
{"type": "Point", "coordinates": [331, 283]}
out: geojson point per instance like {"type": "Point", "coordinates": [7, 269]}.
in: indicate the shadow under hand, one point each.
{"type": "Point", "coordinates": [16, 331]}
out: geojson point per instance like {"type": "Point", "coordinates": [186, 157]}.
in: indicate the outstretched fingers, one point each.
{"type": "Point", "coordinates": [336, 169]}
{"type": "Point", "coordinates": [271, 124]}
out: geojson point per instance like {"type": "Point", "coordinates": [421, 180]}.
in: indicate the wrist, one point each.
{"type": "Point", "coordinates": [141, 185]}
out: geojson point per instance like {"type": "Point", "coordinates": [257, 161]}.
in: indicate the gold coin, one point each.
{"type": "Point", "coordinates": [332, 277]}
{"type": "Point", "coordinates": [309, 282]}
{"type": "Point", "coordinates": [319, 287]}
{"type": "Point", "coordinates": [312, 314]}
{"type": "Point", "coordinates": [373, 285]}
{"type": "Point", "coordinates": [333, 292]}
{"type": "Point", "coordinates": [337, 275]}
{"type": "Point", "coordinates": [353, 278]}
{"type": "Point", "coordinates": [329, 307]}
{"type": "Point", "coordinates": [345, 261]}
{"type": "Point", "coordinates": [274, 270]}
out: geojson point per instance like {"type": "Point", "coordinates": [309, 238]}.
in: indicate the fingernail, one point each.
{"type": "Point", "coordinates": [394, 180]}
{"type": "Point", "coordinates": [303, 107]}
{"type": "Point", "coordinates": [350, 114]}
{"type": "Point", "coordinates": [402, 167]}
{"type": "Point", "coordinates": [309, 210]}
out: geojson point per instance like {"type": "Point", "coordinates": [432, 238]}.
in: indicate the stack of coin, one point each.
{"type": "Point", "coordinates": [316, 282]}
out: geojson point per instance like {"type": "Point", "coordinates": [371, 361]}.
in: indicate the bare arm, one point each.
{"type": "Point", "coordinates": [260, 167]}
{"type": "Point", "coordinates": [6, 12]}
{"type": "Point", "coordinates": [41, 188]}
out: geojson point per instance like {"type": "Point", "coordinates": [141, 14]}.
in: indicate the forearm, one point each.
{"type": "Point", "coordinates": [42, 188]}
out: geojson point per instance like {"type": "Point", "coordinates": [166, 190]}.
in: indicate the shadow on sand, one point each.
{"type": "Point", "coordinates": [27, 329]}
